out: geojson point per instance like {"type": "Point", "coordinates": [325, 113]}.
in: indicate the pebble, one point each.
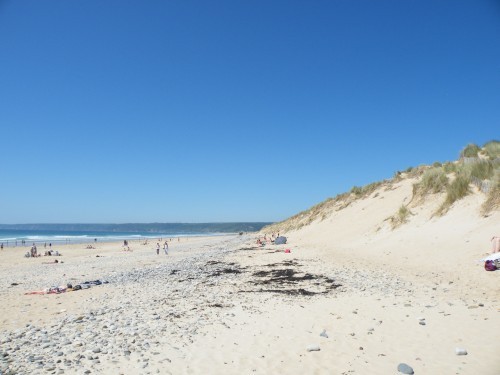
{"type": "Point", "coordinates": [405, 369]}
{"type": "Point", "coordinates": [460, 351]}
{"type": "Point", "coordinates": [313, 348]}
{"type": "Point", "coordinates": [324, 334]}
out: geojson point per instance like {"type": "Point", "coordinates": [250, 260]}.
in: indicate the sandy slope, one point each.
{"type": "Point", "coordinates": [447, 246]}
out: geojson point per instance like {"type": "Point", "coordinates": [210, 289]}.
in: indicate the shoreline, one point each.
{"type": "Point", "coordinates": [61, 240]}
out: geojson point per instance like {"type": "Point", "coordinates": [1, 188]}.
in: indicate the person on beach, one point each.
{"type": "Point", "coordinates": [495, 244]}
{"type": "Point", "coordinates": [158, 248]}
{"type": "Point", "coordinates": [165, 247]}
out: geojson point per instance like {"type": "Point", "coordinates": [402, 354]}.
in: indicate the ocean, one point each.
{"type": "Point", "coordinates": [14, 234]}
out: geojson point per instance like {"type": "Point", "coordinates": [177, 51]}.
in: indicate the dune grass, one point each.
{"type": "Point", "coordinates": [449, 167]}
{"type": "Point", "coordinates": [481, 169]}
{"type": "Point", "coordinates": [470, 151]}
{"type": "Point", "coordinates": [363, 191]}
{"type": "Point", "coordinates": [433, 181]}
{"type": "Point", "coordinates": [458, 189]}
{"type": "Point", "coordinates": [400, 217]}
{"type": "Point", "coordinates": [492, 149]}
{"type": "Point", "coordinates": [492, 202]}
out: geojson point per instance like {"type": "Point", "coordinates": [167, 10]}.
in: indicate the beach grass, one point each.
{"type": "Point", "coordinates": [482, 169]}
{"type": "Point", "coordinates": [493, 197]}
{"type": "Point", "coordinates": [470, 151]}
{"type": "Point", "coordinates": [433, 181]}
{"type": "Point", "coordinates": [401, 216]}
{"type": "Point", "coordinates": [492, 149]}
{"type": "Point", "coordinates": [458, 189]}
{"type": "Point", "coordinates": [449, 167]}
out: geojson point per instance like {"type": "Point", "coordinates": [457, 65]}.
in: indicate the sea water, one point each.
{"type": "Point", "coordinates": [14, 235]}
{"type": "Point", "coordinates": [11, 238]}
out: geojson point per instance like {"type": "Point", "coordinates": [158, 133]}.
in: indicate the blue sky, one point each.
{"type": "Point", "coordinates": [201, 111]}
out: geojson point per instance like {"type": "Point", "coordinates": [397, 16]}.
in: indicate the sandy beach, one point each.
{"type": "Point", "coordinates": [352, 296]}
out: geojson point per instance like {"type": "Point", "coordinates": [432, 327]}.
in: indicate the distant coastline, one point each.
{"type": "Point", "coordinates": [185, 228]}
{"type": "Point", "coordinates": [14, 234]}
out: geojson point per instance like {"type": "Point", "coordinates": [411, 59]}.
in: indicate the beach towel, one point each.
{"type": "Point", "coordinates": [51, 290]}
{"type": "Point", "coordinates": [493, 256]}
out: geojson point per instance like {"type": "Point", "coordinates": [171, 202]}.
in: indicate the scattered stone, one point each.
{"type": "Point", "coordinates": [313, 348]}
{"type": "Point", "coordinates": [324, 334]}
{"type": "Point", "coordinates": [460, 351]}
{"type": "Point", "coordinates": [405, 369]}
{"type": "Point", "coordinates": [422, 323]}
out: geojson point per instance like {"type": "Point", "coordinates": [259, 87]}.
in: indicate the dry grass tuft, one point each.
{"type": "Point", "coordinates": [470, 151]}
{"type": "Point", "coordinates": [433, 181]}
{"type": "Point", "coordinates": [492, 202]}
{"type": "Point", "coordinates": [492, 149]}
{"type": "Point", "coordinates": [458, 189]}
{"type": "Point", "coordinates": [400, 217]}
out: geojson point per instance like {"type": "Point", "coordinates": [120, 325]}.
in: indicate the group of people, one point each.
{"type": "Point", "coordinates": [165, 248]}
{"type": "Point", "coordinates": [33, 253]}
{"type": "Point", "coordinates": [267, 239]}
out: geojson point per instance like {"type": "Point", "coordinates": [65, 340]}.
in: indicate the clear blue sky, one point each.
{"type": "Point", "coordinates": [200, 111]}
